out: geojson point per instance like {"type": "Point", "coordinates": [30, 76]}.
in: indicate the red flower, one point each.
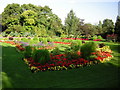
{"type": "Point", "coordinates": [52, 65]}
{"type": "Point", "coordinates": [64, 59]}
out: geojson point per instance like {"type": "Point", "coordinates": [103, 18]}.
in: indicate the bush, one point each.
{"type": "Point", "coordinates": [28, 52]}
{"type": "Point", "coordinates": [94, 37]}
{"type": "Point", "coordinates": [56, 51]}
{"type": "Point", "coordinates": [87, 49]}
{"type": "Point", "coordinates": [79, 42]}
{"type": "Point", "coordinates": [75, 45]}
{"type": "Point", "coordinates": [36, 38]}
{"type": "Point", "coordinates": [17, 39]}
{"type": "Point", "coordinates": [45, 41]}
{"type": "Point", "coordinates": [49, 39]}
{"type": "Point", "coordinates": [63, 36]}
{"type": "Point", "coordinates": [99, 37]}
{"type": "Point", "coordinates": [40, 39]}
{"type": "Point", "coordinates": [70, 54]}
{"type": "Point", "coordinates": [42, 56]}
{"type": "Point", "coordinates": [24, 39]}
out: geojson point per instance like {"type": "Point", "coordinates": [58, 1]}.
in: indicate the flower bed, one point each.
{"type": "Point", "coordinates": [10, 42]}
{"type": "Point", "coordinates": [97, 40]}
{"type": "Point", "coordinates": [60, 62]}
{"type": "Point", "coordinates": [81, 39]}
{"type": "Point", "coordinates": [75, 38]}
{"type": "Point", "coordinates": [62, 42]}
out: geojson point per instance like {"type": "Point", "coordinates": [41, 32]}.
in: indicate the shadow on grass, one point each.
{"type": "Point", "coordinates": [16, 74]}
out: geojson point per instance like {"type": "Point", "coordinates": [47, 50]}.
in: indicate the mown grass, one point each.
{"type": "Point", "coordinates": [16, 74]}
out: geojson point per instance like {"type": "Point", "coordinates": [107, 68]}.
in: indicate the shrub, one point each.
{"type": "Point", "coordinates": [49, 39]}
{"type": "Point", "coordinates": [63, 36]}
{"type": "Point", "coordinates": [28, 52]}
{"type": "Point", "coordinates": [24, 39]}
{"type": "Point", "coordinates": [87, 49]}
{"type": "Point", "coordinates": [40, 39]}
{"type": "Point", "coordinates": [6, 38]}
{"type": "Point", "coordinates": [79, 42]}
{"type": "Point", "coordinates": [17, 39]}
{"type": "Point", "coordinates": [42, 56]}
{"type": "Point", "coordinates": [75, 45]}
{"type": "Point", "coordinates": [45, 41]}
{"type": "Point", "coordinates": [70, 54]}
{"type": "Point", "coordinates": [36, 38]}
{"type": "Point", "coordinates": [94, 37]}
{"type": "Point", "coordinates": [92, 57]}
{"type": "Point", "coordinates": [99, 37]}
{"type": "Point", "coordinates": [56, 51]}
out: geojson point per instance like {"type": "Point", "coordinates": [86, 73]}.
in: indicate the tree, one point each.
{"type": "Point", "coordinates": [108, 26]}
{"type": "Point", "coordinates": [99, 28]}
{"type": "Point", "coordinates": [117, 27]}
{"type": "Point", "coordinates": [31, 18]}
{"type": "Point", "coordinates": [28, 17]}
{"type": "Point", "coordinates": [71, 23]}
{"type": "Point", "coordinates": [88, 29]}
{"type": "Point", "coordinates": [10, 11]}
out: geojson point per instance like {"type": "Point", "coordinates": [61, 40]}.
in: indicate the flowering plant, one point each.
{"type": "Point", "coordinates": [63, 62]}
{"type": "Point", "coordinates": [60, 62]}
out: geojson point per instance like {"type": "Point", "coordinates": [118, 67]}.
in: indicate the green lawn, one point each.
{"type": "Point", "coordinates": [16, 74]}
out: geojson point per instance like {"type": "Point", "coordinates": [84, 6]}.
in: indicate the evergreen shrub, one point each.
{"type": "Point", "coordinates": [87, 49]}
{"type": "Point", "coordinates": [42, 56]}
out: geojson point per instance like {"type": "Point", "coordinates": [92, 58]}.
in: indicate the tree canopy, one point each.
{"type": "Point", "coordinates": [30, 18]}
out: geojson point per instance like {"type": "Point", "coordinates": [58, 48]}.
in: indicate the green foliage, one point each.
{"type": "Point", "coordinates": [14, 29]}
{"type": "Point", "coordinates": [17, 39]}
{"type": "Point", "coordinates": [71, 23]}
{"type": "Point", "coordinates": [63, 36]}
{"type": "Point", "coordinates": [28, 52]}
{"type": "Point", "coordinates": [87, 49]}
{"type": "Point", "coordinates": [75, 46]}
{"type": "Point", "coordinates": [92, 57]}
{"type": "Point", "coordinates": [79, 42]}
{"type": "Point", "coordinates": [38, 20]}
{"type": "Point", "coordinates": [117, 27]}
{"type": "Point", "coordinates": [24, 39]}
{"type": "Point", "coordinates": [42, 56]}
{"type": "Point", "coordinates": [40, 39]}
{"type": "Point", "coordinates": [36, 38]}
{"type": "Point", "coordinates": [45, 40]}
{"type": "Point", "coordinates": [99, 37]}
{"type": "Point", "coordinates": [56, 51]}
{"type": "Point", "coordinates": [108, 26]}
{"type": "Point", "coordinates": [70, 54]}
{"type": "Point", "coordinates": [94, 37]}
{"type": "Point", "coordinates": [49, 39]}
{"type": "Point", "coordinates": [57, 39]}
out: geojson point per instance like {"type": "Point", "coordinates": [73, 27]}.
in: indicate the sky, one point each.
{"type": "Point", "coordinates": [92, 11]}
